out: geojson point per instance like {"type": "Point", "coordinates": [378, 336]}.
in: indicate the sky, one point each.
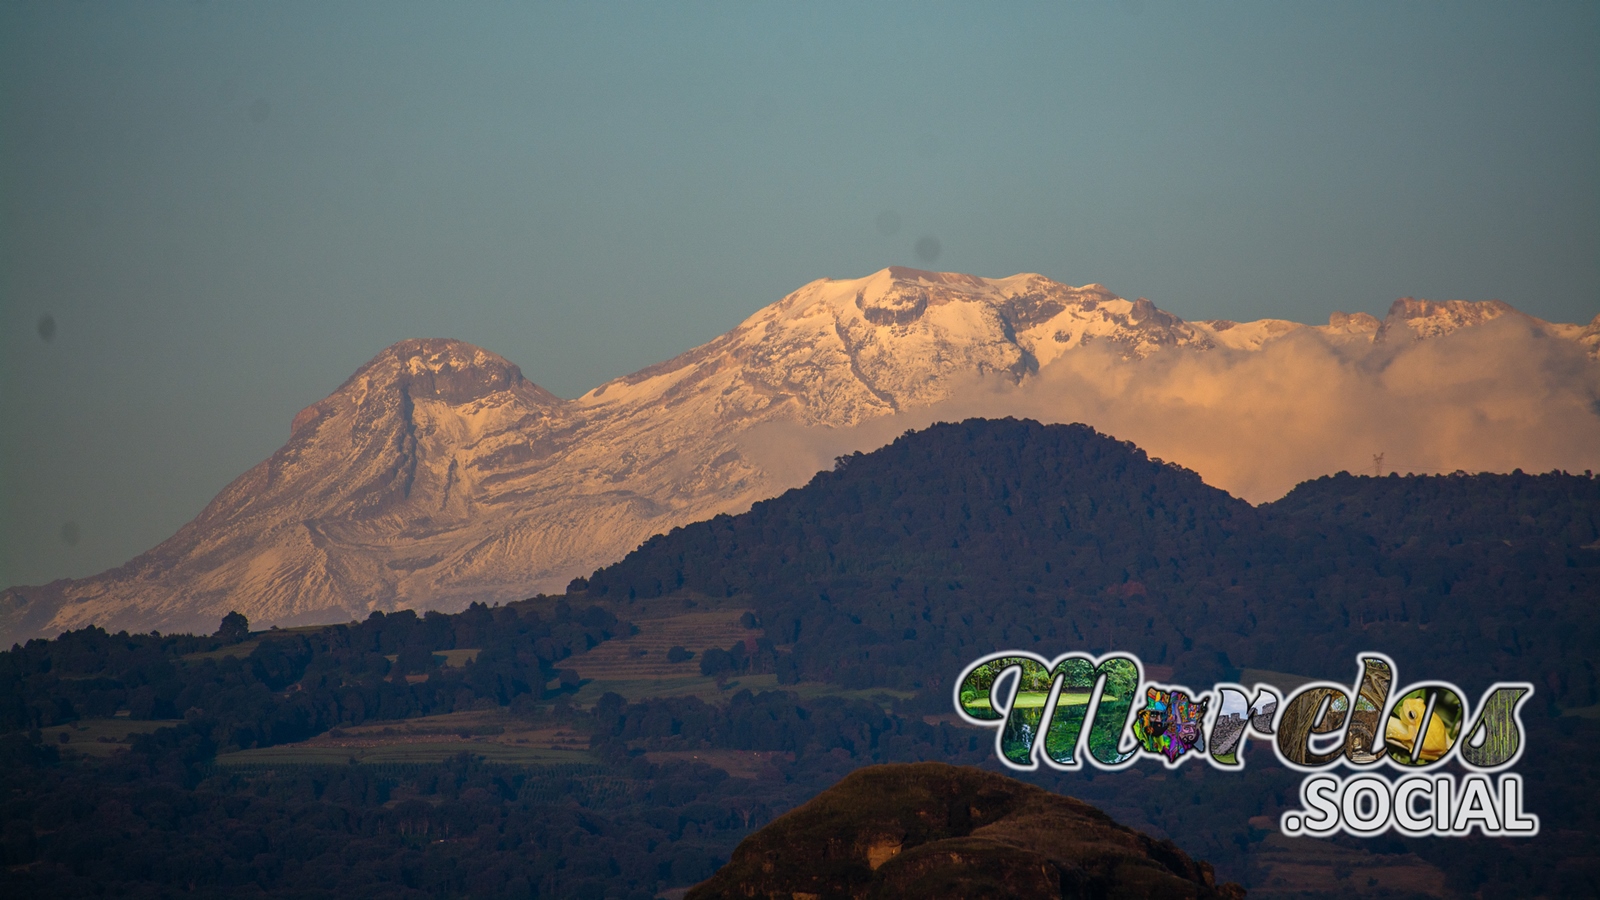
{"type": "Point", "coordinates": [212, 213]}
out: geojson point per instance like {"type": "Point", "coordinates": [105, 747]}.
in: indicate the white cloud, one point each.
{"type": "Point", "coordinates": [1499, 396]}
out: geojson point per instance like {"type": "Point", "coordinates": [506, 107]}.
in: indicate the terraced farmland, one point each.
{"type": "Point", "coordinates": [492, 734]}
{"type": "Point", "coordinates": [643, 656]}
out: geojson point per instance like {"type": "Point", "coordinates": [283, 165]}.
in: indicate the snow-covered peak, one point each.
{"type": "Point", "coordinates": [444, 369]}
{"type": "Point", "coordinates": [841, 350]}
{"type": "Point", "coordinates": [1246, 335]}
{"type": "Point", "coordinates": [1430, 318]}
{"type": "Point", "coordinates": [1351, 323]}
{"type": "Point", "coordinates": [437, 474]}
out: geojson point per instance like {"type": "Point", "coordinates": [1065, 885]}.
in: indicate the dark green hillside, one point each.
{"type": "Point", "coordinates": [1472, 578]}
{"type": "Point", "coordinates": [955, 541]}
{"type": "Point", "coordinates": [900, 565]}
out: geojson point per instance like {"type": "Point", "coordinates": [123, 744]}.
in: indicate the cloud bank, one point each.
{"type": "Point", "coordinates": [1507, 394]}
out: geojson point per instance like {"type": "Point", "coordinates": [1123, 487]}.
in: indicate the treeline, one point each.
{"type": "Point", "coordinates": [294, 685]}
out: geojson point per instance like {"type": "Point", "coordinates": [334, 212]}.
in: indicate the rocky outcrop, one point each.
{"type": "Point", "coordinates": [1423, 319]}
{"type": "Point", "coordinates": [931, 830]}
{"type": "Point", "coordinates": [1589, 337]}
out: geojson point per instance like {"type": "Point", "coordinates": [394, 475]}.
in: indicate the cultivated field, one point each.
{"type": "Point", "coordinates": [400, 753]}
{"type": "Point", "coordinates": [644, 655]}
{"type": "Point", "coordinates": [100, 737]}
{"type": "Point", "coordinates": [493, 734]}
{"type": "Point", "coordinates": [709, 690]}
{"type": "Point", "coordinates": [738, 763]}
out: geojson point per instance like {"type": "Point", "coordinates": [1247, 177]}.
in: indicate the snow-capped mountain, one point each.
{"type": "Point", "coordinates": [437, 474]}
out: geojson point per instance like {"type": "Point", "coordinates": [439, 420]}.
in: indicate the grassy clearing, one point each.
{"type": "Point", "coordinates": [447, 658]}
{"type": "Point", "coordinates": [401, 753]}
{"type": "Point", "coordinates": [100, 737]}
{"type": "Point", "coordinates": [491, 734]}
{"type": "Point", "coordinates": [245, 648]}
{"type": "Point", "coordinates": [708, 690]}
{"type": "Point", "coordinates": [445, 723]}
{"type": "Point", "coordinates": [237, 651]}
{"type": "Point", "coordinates": [738, 763]}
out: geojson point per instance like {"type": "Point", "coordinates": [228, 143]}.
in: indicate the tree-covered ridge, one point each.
{"type": "Point", "coordinates": [293, 685]}
{"type": "Point", "coordinates": [899, 566]}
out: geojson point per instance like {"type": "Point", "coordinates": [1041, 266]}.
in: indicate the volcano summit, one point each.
{"type": "Point", "coordinates": [438, 475]}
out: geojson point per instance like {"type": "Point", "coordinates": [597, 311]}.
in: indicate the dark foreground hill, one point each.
{"type": "Point", "coordinates": [936, 831]}
{"type": "Point", "coordinates": [401, 756]}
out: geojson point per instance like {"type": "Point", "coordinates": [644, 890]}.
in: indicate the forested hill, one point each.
{"type": "Point", "coordinates": [900, 565]}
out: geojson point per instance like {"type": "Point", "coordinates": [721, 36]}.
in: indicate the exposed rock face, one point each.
{"type": "Point", "coordinates": [1408, 318]}
{"type": "Point", "coordinates": [1590, 337]}
{"type": "Point", "coordinates": [437, 475]}
{"type": "Point", "coordinates": [931, 830]}
{"type": "Point", "coordinates": [1427, 318]}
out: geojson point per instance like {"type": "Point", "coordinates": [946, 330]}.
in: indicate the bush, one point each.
{"type": "Point", "coordinates": [716, 661]}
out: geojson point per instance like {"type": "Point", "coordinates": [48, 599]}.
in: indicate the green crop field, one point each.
{"type": "Point", "coordinates": [458, 658]}
{"type": "Point", "coordinates": [400, 753]}
{"type": "Point", "coordinates": [708, 690]}
{"type": "Point", "coordinates": [1033, 699]}
{"type": "Point", "coordinates": [100, 737]}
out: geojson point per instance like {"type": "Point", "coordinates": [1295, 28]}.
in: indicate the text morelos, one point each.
{"type": "Point", "coordinates": [1077, 708]}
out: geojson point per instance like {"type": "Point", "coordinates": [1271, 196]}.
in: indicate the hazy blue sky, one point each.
{"type": "Point", "coordinates": [227, 207]}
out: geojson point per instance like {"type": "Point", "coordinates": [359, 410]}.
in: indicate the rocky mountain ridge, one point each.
{"type": "Point", "coordinates": [438, 475]}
